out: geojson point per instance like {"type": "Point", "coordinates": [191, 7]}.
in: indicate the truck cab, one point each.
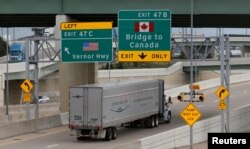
{"type": "Point", "coordinates": [16, 52]}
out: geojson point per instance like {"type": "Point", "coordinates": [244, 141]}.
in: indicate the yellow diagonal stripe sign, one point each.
{"type": "Point", "coordinates": [144, 56]}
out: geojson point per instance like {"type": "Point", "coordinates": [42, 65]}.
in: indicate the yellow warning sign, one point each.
{"type": "Point", "coordinates": [190, 114]}
{"type": "Point", "coordinates": [26, 86]}
{"type": "Point", "coordinates": [144, 56]}
{"type": "Point", "coordinates": [222, 105]}
{"type": "Point", "coordinates": [222, 92]}
{"type": "Point", "coordinates": [26, 97]}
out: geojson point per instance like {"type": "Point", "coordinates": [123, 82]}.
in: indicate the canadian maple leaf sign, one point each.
{"type": "Point", "coordinates": [144, 26]}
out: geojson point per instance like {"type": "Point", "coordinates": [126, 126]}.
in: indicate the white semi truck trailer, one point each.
{"type": "Point", "coordinates": [98, 110]}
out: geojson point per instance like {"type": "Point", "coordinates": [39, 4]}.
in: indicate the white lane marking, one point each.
{"type": "Point", "coordinates": [200, 105]}
{"type": "Point", "coordinates": [54, 145]}
{"type": "Point", "coordinates": [241, 107]}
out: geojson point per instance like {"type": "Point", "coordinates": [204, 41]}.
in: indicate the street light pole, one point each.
{"type": "Point", "coordinates": [7, 75]}
{"type": "Point", "coordinates": [191, 72]}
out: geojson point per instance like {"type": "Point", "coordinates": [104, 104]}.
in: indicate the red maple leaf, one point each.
{"type": "Point", "coordinates": [144, 26]}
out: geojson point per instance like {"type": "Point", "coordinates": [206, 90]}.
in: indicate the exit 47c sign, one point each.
{"type": "Point", "coordinates": [144, 36]}
{"type": "Point", "coordinates": [86, 42]}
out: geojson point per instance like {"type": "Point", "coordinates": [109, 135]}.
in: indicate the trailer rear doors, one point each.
{"type": "Point", "coordinates": [85, 107]}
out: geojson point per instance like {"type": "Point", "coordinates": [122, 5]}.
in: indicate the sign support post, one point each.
{"type": "Point", "coordinates": [191, 70]}
{"type": "Point", "coordinates": [27, 76]}
{"type": "Point", "coordinates": [36, 74]}
{"type": "Point", "coordinates": [222, 67]}
{"type": "Point", "coordinates": [223, 92]}
{"type": "Point", "coordinates": [227, 83]}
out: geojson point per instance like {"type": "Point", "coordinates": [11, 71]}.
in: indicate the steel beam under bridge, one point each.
{"type": "Point", "coordinates": [207, 13]}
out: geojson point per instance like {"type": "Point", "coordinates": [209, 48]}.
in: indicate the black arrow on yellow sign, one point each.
{"type": "Point", "coordinates": [142, 56]}
{"type": "Point", "coordinates": [222, 91]}
{"type": "Point", "coordinates": [26, 84]}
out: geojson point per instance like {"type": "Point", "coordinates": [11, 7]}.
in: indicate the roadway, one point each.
{"type": "Point", "coordinates": [59, 138]}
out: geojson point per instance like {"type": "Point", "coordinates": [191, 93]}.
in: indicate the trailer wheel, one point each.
{"type": "Point", "coordinates": [156, 121]}
{"type": "Point", "coordinates": [108, 135]}
{"type": "Point", "coordinates": [79, 138]}
{"type": "Point", "coordinates": [114, 133]}
{"type": "Point", "coordinates": [152, 121]}
{"type": "Point", "coordinates": [168, 117]}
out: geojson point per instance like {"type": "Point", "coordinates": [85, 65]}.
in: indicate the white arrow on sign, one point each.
{"type": "Point", "coordinates": [67, 50]}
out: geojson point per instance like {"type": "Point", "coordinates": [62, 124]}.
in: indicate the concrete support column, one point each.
{"type": "Point", "coordinates": [72, 73]}
{"type": "Point", "coordinates": [1, 90]}
{"type": "Point", "coordinates": [186, 51]}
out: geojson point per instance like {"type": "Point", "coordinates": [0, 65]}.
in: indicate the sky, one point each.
{"type": "Point", "coordinates": [15, 33]}
{"type": "Point", "coordinates": [208, 32]}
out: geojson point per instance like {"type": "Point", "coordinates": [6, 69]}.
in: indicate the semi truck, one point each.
{"type": "Point", "coordinates": [97, 110]}
{"type": "Point", "coordinates": [17, 52]}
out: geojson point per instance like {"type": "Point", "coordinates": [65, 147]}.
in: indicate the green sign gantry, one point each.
{"type": "Point", "coordinates": [86, 42]}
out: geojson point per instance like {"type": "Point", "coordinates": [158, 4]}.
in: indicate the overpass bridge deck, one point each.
{"type": "Point", "coordinates": [236, 63]}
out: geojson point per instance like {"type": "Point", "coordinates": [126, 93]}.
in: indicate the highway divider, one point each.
{"type": "Point", "coordinates": [179, 137]}
{"type": "Point", "coordinates": [25, 127]}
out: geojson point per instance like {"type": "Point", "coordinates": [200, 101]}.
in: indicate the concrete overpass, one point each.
{"type": "Point", "coordinates": [236, 63]}
{"type": "Point", "coordinates": [205, 46]}
{"type": "Point", "coordinates": [207, 13]}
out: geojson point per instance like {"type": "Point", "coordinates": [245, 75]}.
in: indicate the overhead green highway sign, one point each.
{"type": "Point", "coordinates": [86, 42]}
{"type": "Point", "coordinates": [144, 35]}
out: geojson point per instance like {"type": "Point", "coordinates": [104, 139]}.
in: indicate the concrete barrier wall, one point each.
{"type": "Point", "coordinates": [17, 113]}
{"type": "Point", "coordinates": [3, 59]}
{"type": "Point", "coordinates": [24, 127]}
{"type": "Point", "coordinates": [239, 120]}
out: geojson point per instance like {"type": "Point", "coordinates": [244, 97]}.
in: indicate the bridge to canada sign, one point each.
{"type": "Point", "coordinates": [144, 35]}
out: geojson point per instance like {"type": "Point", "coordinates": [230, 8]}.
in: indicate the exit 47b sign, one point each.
{"type": "Point", "coordinates": [144, 36]}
